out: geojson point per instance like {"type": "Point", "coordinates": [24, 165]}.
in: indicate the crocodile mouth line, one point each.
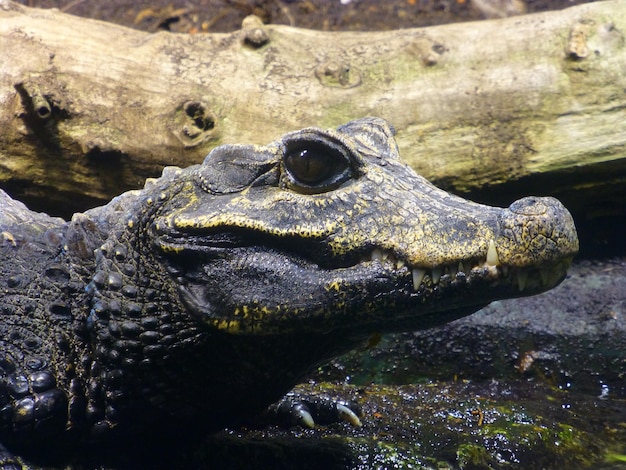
{"type": "Point", "coordinates": [489, 267]}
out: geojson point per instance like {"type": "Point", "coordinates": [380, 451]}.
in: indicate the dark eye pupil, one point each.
{"type": "Point", "coordinates": [315, 166]}
{"type": "Point", "coordinates": [310, 167]}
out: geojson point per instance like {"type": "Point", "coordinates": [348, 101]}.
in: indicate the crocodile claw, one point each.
{"type": "Point", "coordinates": [297, 409]}
{"type": "Point", "coordinates": [349, 416]}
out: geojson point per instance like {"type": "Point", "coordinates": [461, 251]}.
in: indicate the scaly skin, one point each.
{"type": "Point", "coordinates": [201, 299]}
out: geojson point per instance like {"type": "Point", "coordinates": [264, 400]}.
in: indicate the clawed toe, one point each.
{"type": "Point", "coordinates": [296, 409]}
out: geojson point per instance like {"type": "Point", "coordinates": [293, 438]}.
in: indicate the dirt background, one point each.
{"type": "Point", "coordinates": [185, 16]}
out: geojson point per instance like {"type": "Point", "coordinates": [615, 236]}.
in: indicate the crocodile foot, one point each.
{"type": "Point", "coordinates": [301, 409]}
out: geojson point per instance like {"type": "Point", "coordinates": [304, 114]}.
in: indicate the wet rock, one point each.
{"type": "Point", "coordinates": [451, 425]}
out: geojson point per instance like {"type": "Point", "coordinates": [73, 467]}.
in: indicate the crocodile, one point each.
{"type": "Point", "coordinates": [198, 301]}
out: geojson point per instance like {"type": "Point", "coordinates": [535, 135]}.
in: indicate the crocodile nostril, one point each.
{"type": "Point", "coordinates": [529, 206]}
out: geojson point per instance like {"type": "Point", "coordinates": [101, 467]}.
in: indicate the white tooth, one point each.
{"type": "Point", "coordinates": [436, 274]}
{"type": "Point", "coordinates": [545, 276]}
{"type": "Point", "coordinates": [461, 268]}
{"type": "Point", "coordinates": [492, 254]}
{"type": "Point", "coordinates": [522, 277]}
{"type": "Point", "coordinates": [399, 264]}
{"type": "Point", "coordinates": [385, 255]}
{"type": "Point", "coordinates": [377, 255]}
{"type": "Point", "coordinates": [418, 277]}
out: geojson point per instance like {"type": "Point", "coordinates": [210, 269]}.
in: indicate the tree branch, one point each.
{"type": "Point", "coordinates": [89, 109]}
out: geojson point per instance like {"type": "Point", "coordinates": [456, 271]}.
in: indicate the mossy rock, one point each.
{"type": "Point", "coordinates": [443, 425]}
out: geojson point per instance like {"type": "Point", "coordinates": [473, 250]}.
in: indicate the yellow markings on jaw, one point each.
{"type": "Point", "coordinates": [172, 249]}
{"type": "Point", "coordinates": [254, 313]}
{"type": "Point", "coordinates": [335, 285]}
{"type": "Point", "coordinates": [231, 326]}
{"type": "Point", "coordinates": [249, 319]}
{"type": "Point", "coordinates": [217, 221]}
{"type": "Point", "coordinates": [346, 243]}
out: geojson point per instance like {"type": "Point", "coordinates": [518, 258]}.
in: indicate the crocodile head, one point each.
{"type": "Point", "coordinates": [329, 229]}
{"type": "Point", "coordinates": [249, 269]}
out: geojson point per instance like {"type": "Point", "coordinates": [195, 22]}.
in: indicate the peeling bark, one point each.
{"type": "Point", "coordinates": [493, 109]}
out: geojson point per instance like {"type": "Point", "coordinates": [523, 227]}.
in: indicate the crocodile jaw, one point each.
{"type": "Point", "coordinates": [254, 290]}
{"type": "Point", "coordinates": [242, 276]}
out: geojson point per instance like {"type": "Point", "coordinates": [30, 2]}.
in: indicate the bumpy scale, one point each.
{"type": "Point", "coordinates": [201, 299]}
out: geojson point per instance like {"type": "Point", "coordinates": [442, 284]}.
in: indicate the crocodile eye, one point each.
{"type": "Point", "coordinates": [315, 167]}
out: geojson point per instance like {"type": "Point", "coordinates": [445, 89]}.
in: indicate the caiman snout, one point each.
{"type": "Point", "coordinates": [534, 231]}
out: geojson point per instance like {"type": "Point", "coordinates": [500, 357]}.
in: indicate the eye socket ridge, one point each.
{"type": "Point", "coordinates": [316, 165]}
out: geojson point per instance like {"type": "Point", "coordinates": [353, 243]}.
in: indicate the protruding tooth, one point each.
{"type": "Point", "coordinates": [492, 254]}
{"type": "Point", "coordinates": [377, 255]}
{"type": "Point", "coordinates": [399, 264]}
{"type": "Point", "coordinates": [522, 277]}
{"type": "Point", "coordinates": [418, 277]}
{"type": "Point", "coordinates": [436, 274]}
{"type": "Point", "coordinates": [461, 268]}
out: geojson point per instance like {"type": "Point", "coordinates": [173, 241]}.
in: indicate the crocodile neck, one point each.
{"type": "Point", "coordinates": [45, 263]}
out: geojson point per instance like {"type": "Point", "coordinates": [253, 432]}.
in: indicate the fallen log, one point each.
{"type": "Point", "coordinates": [528, 104]}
